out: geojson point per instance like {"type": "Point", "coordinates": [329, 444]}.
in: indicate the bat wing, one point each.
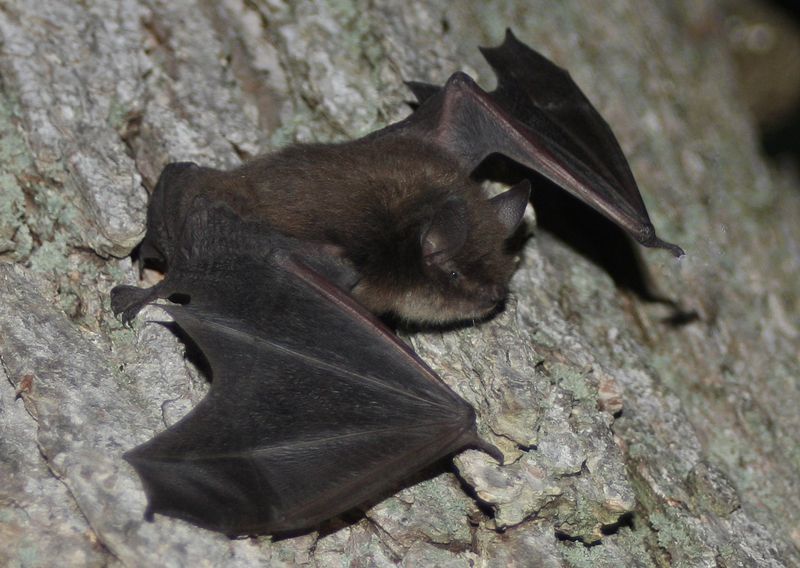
{"type": "Point", "coordinates": [314, 407]}
{"type": "Point", "coordinates": [539, 118]}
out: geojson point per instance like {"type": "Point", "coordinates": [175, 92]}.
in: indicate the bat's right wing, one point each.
{"type": "Point", "coordinates": [539, 118]}
{"type": "Point", "coordinates": [315, 406]}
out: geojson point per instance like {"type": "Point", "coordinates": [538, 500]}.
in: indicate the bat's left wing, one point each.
{"type": "Point", "coordinates": [539, 118]}
{"type": "Point", "coordinates": [315, 406]}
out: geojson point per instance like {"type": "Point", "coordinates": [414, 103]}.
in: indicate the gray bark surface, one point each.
{"type": "Point", "coordinates": [629, 441]}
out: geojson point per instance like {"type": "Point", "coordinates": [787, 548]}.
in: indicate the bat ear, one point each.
{"type": "Point", "coordinates": [422, 91]}
{"type": "Point", "coordinates": [510, 205]}
{"type": "Point", "coordinates": [446, 234]}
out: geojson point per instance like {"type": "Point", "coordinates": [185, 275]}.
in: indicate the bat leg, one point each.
{"type": "Point", "coordinates": [490, 449]}
{"type": "Point", "coordinates": [655, 242]}
{"type": "Point", "coordinates": [127, 301]}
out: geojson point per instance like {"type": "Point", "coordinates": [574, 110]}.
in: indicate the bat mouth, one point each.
{"type": "Point", "coordinates": [483, 306]}
{"type": "Point", "coordinates": [495, 308]}
{"type": "Point", "coordinates": [450, 316]}
{"type": "Point", "coordinates": [493, 301]}
{"type": "Point", "coordinates": [483, 312]}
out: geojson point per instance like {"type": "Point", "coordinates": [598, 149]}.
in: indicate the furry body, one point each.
{"type": "Point", "coordinates": [373, 200]}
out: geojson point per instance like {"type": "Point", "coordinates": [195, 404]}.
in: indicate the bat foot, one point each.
{"type": "Point", "coordinates": [489, 449]}
{"type": "Point", "coordinates": [127, 301]}
{"type": "Point", "coordinates": [655, 242]}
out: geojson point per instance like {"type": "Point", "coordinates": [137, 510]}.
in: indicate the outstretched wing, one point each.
{"type": "Point", "coordinates": [539, 118]}
{"type": "Point", "coordinates": [314, 407]}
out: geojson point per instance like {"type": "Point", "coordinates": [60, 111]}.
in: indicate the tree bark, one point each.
{"type": "Point", "coordinates": [636, 433]}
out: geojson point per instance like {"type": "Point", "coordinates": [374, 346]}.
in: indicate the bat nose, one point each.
{"type": "Point", "coordinates": [494, 294]}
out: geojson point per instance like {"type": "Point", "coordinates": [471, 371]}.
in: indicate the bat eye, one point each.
{"type": "Point", "coordinates": [454, 276]}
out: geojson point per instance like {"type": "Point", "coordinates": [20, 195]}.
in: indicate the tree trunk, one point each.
{"type": "Point", "coordinates": [659, 433]}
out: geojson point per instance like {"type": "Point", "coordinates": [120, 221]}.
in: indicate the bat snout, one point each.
{"type": "Point", "coordinates": [495, 294]}
{"type": "Point", "coordinates": [490, 297]}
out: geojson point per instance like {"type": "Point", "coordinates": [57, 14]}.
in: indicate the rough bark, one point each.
{"type": "Point", "coordinates": [657, 444]}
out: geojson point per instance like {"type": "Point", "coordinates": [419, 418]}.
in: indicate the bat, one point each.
{"type": "Point", "coordinates": [424, 241]}
{"type": "Point", "coordinates": [314, 407]}
{"type": "Point", "coordinates": [400, 203]}
{"type": "Point", "coordinates": [278, 268]}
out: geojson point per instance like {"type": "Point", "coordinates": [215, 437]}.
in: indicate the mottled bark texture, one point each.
{"type": "Point", "coordinates": [637, 433]}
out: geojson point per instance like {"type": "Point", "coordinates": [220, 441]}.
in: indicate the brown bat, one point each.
{"type": "Point", "coordinates": [316, 407]}
{"type": "Point", "coordinates": [425, 242]}
{"type": "Point", "coordinates": [400, 203]}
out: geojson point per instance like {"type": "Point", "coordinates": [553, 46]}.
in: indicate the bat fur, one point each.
{"type": "Point", "coordinates": [315, 406]}
{"type": "Point", "coordinates": [425, 242]}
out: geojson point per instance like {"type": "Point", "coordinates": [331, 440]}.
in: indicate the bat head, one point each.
{"type": "Point", "coordinates": [464, 257]}
{"type": "Point", "coordinates": [452, 263]}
